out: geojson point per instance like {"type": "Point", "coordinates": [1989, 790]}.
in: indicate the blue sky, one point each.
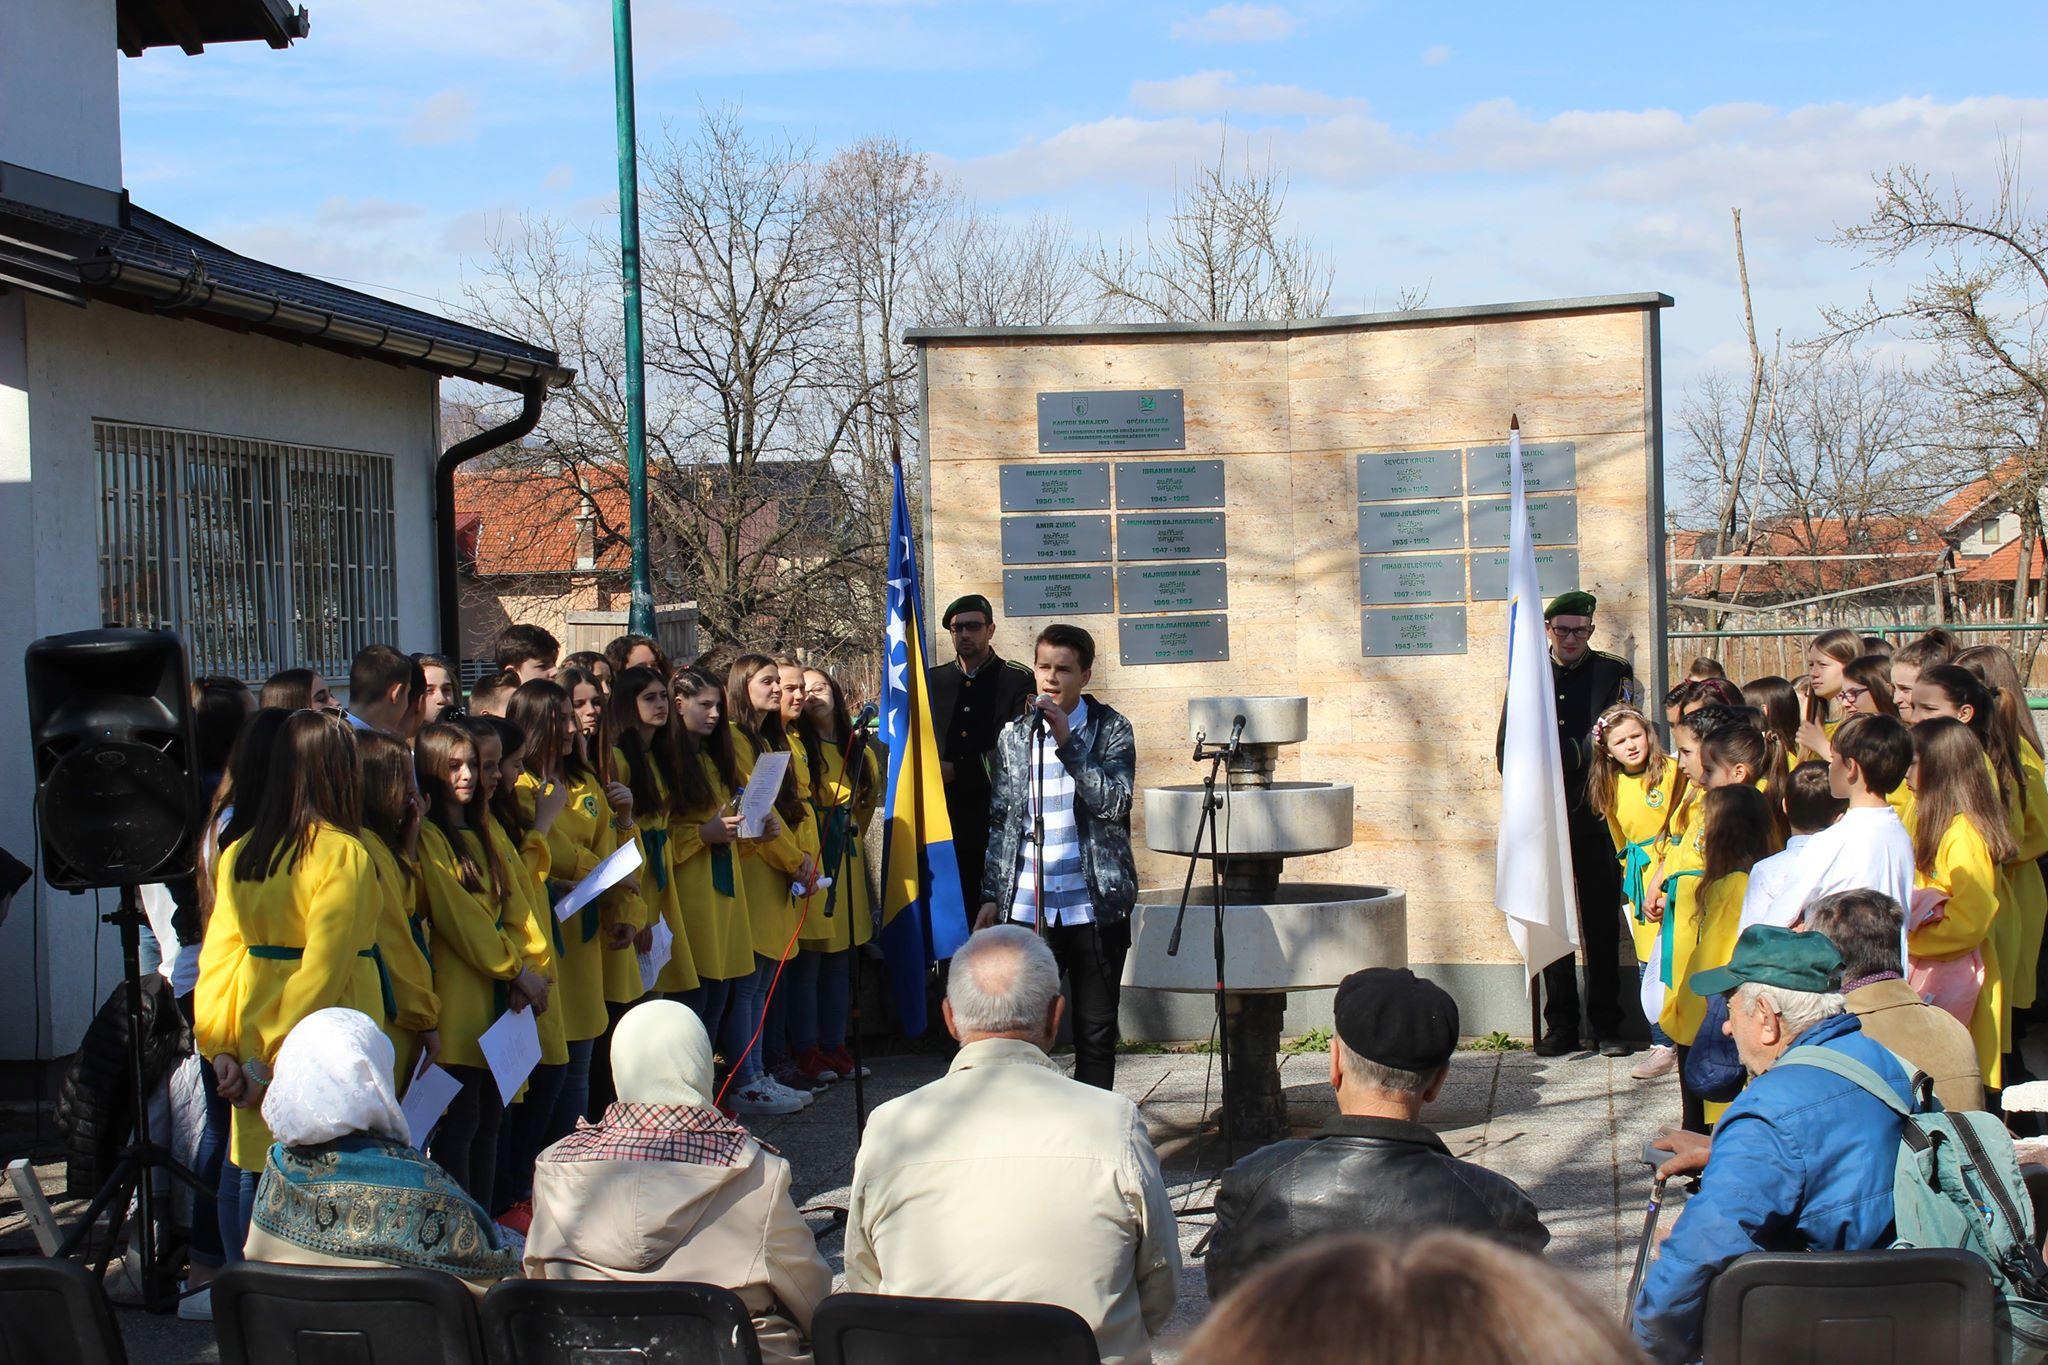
{"type": "Point", "coordinates": [1488, 151]}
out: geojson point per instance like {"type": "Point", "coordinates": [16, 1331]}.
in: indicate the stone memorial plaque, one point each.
{"type": "Point", "coordinates": [1056, 592]}
{"type": "Point", "coordinates": [1411, 526]}
{"type": "Point", "coordinates": [1169, 483]}
{"type": "Point", "coordinates": [1553, 521]}
{"type": "Point", "coordinates": [1172, 587]}
{"type": "Point", "coordinates": [1055, 487]}
{"type": "Point", "coordinates": [1546, 465]}
{"type": "Point", "coordinates": [1384, 580]}
{"type": "Point", "coordinates": [1410, 474]}
{"type": "Point", "coordinates": [1394, 632]}
{"type": "Point", "coordinates": [1172, 639]}
{"type": "Point", "coordinates": [1111, 419]}
{"type": "Point", "coordinates": [1167, 535]}
{"type": "Point", "coordinates": [1055, 540]}
{"type": "Point", "coordinates": [1556, 572]}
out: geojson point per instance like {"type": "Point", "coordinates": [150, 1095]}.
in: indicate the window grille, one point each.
{"type": "Point", "coordinates": [262, 555]}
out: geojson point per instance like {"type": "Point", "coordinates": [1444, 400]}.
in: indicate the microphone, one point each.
{"type": "Point", "coordinates": [866, 716]}
{"type": "Point", "coordinates": [1236, 730]}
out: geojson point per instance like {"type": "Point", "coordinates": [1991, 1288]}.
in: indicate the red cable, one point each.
{"type": "Point", "coordinates": [732, 1068]}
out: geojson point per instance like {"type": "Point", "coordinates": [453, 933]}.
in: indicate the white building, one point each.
{"type": "Point", "coordinates": [190, 439]}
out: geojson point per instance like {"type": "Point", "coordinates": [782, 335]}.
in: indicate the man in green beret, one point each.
{"type": "Point", "coordinates": [973, 698]}
{"type": "Point", "coordinates": [1587, 682]}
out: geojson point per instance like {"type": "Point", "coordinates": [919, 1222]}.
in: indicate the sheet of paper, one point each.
{"type": "Point", "coordinates": [620, 863]}
{"type": "Point", "coordinates": [762, 788]}
{"type": "Point", "coordinates": [426, 1099]}
{"type": "Point", "coordinates": [511, 1048]}
{"type": "Point", "coordinates": [657, 955]}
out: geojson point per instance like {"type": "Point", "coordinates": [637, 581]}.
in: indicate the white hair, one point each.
{"type": "Point", "coordinates": [1003, 980]}
{"type": "Point", "coordinates": [1800, 1010]}
{"type": "Point", "coordinates": [1371, 1075]}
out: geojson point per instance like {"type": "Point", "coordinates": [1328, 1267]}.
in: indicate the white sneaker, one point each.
{"type": "Point", "coordinates": [1660, 1060]}
{"type": "Point", "coordinates": [804, 1098]}
{"type": "Point", "coordinates": [197, 1306]}
{"type": "Point", "coordinates": [763, 1097]}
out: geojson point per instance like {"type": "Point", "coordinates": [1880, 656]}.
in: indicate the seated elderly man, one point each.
{"type": "Point", "coordinates": [1373, 1168]}
{"type": "Point", "coordinates": [666, 1188]}
{"type": "Point", "coordinates": [1803, 1159]}
{"type": "Point", "coordinates": [1006, 1180]}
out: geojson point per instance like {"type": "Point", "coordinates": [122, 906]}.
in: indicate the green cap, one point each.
{"type": "Point", "coordinates": [1573, 603]}
{"type": "Point", "coordinates": [1770, 956]}
{"type": "Point", "coordinates": [973, 601]}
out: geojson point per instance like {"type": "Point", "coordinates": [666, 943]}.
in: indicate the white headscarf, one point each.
{"type": "Point", "coordinates": [333, 1079]}
{"type": "Point", "coordinates": [660, 1055]}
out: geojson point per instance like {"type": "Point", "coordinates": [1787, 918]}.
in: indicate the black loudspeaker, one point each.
{"type": "Point", "coordinates": [110, 719]}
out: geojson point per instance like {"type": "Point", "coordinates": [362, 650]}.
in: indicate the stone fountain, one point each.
{"type": "Point", "coordinates": [1277, 937]}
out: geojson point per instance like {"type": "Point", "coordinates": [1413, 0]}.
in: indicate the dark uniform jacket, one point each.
{"type": "Point", "coordinates": [1373, 1175]}
{"type": "Point", "coordinates": [1597, 681]}
{"type": "Point", "coordinates": [1007, 686]}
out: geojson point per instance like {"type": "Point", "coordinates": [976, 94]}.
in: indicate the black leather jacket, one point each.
{"type": "Point", "coordinates": [1370, 1175]}
{"type": "Point", "coordinates": [1103, 758]}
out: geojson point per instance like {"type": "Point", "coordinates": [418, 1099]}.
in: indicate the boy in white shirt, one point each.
{"type": "Point", "coordinates": [1868, 849]}
{"type": "Point", "coordinates": [1810, 807]}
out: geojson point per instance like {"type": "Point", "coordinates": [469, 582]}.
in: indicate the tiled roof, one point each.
{"type": "Point", "coordinates": [2003, 565]}
{"type": "Point", "coordinates": [525, 523]}
{"type": "Point", "coordinates": [1908, 545]}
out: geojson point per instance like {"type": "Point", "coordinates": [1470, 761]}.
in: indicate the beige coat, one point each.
{"type": "Point", "coordinates": [1005, 1180]}
{"type": "Point", "coordinates": [1930, 1040]}
{"type": "Point", "coordinates": [679, 1221]}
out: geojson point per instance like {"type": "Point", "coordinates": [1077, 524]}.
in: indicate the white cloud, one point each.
{"type": "Point", "coordinates": [1436, 54]}
{"type": "Point", "coordinates": [1238, 23]}
{"type": "Point", "coordinates": [442, 118]}
{"type": "Point", "coordinates": [1218, 92]}
{"type": "Point", "coordinates": [560, 178]}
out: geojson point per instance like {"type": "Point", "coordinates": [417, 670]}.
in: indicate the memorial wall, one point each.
{"type": "Point", "coordinates": [1315, 508]}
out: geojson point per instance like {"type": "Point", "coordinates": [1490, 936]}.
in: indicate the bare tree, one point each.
{"type": "Point", "coordinates": [1223, 255]}
{"type": "Point", "coordinates": [1982, 308]}
{"type": "Point", "coordinates": [983, 272]}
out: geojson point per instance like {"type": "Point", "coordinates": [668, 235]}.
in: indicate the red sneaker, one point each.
{"type": "Point", "coordinates": [843, 1063]}
{"type": "Point", "coordinates": [519, 1217]}
{"type": "Point", "coordinates": [817, 1066]}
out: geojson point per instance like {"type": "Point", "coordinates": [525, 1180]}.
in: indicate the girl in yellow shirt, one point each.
{"type": "Point", "coordinates": [293, 930]}
{"type": "Point", "coordinates": [2026, 814]}
{"type": "Point", "coordinates": [1959, 839]}
{"type": "Point", "coordinates": [480, 949]}
{"type": "Point", "coordinates": [1632, 785]}
{"type": "Point", "coordinates": [391, 829]}
{"type": "Point", "coordinates": [703, 849]}
{"type": "Point", "coordinates": [1826, 659]}
{"type": "Point", "coordinates": [776, 869]}
{"type": "Point", "coordinates": [643, 747]}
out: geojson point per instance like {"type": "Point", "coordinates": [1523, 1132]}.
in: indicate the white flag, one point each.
{"type": "Point", "coordinates": [1533, 870]}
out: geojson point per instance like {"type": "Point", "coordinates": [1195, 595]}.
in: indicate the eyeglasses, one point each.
{"type": "Point", "coordinates": [1572, 632]}
{"type": "Point", "coordinates": [1852, 695]}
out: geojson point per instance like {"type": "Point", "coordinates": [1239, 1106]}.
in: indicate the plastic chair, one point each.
{"type": "Point", "coordinates": [313, 1315]}
{"type": "Point", "coordinates": [1929, 1306]}
{"type": "Point", "coordinates": [883, 1329]}
{"type": "Point", "coordinates": [55, 1313]}
{"type": "Point", "coordinates": [572, 1322]}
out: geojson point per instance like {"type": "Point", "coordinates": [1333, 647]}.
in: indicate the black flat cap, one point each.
{"type": "Point", "coordinates": [1392, 1016]}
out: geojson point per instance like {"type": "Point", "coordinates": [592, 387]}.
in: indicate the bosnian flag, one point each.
{"type": "Point", "coordinates": [923, 919]}
{"type": "Point", "coordinates": [1532, 879]}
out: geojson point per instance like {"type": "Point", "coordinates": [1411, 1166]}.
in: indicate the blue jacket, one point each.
{"type": "Point", "coordinates": [1803, 1161]}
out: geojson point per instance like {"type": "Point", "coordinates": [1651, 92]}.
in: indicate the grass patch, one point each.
{"type": "Point", "coordinates": [1497, 1041]}
{"type": "Point", "coordinates": [1315, 1040]}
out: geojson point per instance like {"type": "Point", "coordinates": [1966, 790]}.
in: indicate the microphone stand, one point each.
{"type": "Point", "coordinates": [1215, 755]}
{"type": "Point", "coordinates": [1037, 824]}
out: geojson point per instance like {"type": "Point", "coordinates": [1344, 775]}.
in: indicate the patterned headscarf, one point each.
{"type": "Point", "coordinates": [333, 1080]}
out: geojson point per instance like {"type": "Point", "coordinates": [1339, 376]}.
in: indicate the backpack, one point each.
{"type": "Point", "coordinates": [1958, 1185]}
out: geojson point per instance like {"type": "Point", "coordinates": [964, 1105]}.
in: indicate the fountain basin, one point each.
{"type": "Point", "coordinates": [1285, 820]}
{"type": "Point", "coordinates": [1306, 936]}
{"type": "Point", "coordinates": [1267, 720]}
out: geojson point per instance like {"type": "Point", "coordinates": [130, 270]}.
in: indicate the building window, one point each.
{"type": "Point", "coordinates": [262, 555]}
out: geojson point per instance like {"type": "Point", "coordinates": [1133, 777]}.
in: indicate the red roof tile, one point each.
{"type": "Point", "coordinates": [523, 523]}
{"type": "Point", "coordinates": [2003, 565]}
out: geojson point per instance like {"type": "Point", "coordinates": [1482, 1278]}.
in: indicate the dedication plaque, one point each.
{"type": "Point", "coordinates": [1055, 540]}
{"type": "Point", "coordinates": [1172, 639]}
{"type": "Point", "coordinates": [1546, 465]}
{"type": "Point", "coordinates": [1111, 419]}
{"type": "Point", "coordinates": [1411, 474]}
{"type": "Point", "coordinates": [1172, 587]}
{"type": "Point", "coordinates": [1411, 526]}
{"type": "Point", "coordinates": [1385, 580]}
{"type": "Point", "coordinates": [1553, 521]}
{"type": "Point", "coordinates": [1055, 487]}
{"type": "Point", "coordinates": [1556, 571]}
{"type": "Point", "coordinates": [1056, 592]}
{"type": "Point", "coordinates": [1169, 483]}
{"type": "Point", "coordinates": [1392, 632]}
{"type": "Point", "coordinates": [1167, 535]}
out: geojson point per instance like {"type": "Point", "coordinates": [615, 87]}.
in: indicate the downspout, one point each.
{"type": "Point", "coordinates": [533, 393]}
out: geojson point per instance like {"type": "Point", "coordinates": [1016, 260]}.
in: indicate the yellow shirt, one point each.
{"type": "Point", "coordinates": [658, 892]}
{"type": "Point", "coordinates": [412, 980]}
{"type": "Point", "coordinates": [579, 839]}
{"type": "Point", "coordinates": [1680, 932]}
{"type": "Point", "coordinates": [279, 948]}
{"type": "Point", "coordinates": [1637, 824]}
{"type": "Point", "coordinates": [476, 954]}
{"type": "Point", "coordinates": [768, 866]}
{"type": "Point", "coordinates": [2024, 872]}
{"type": "Point", "coordinates": [1964, 870]}
{"type": "Point", "coordinates": [531, 921]}
{"type": "Point", "coordinates": [853, 903]}
{"type": "Point", "coordinates": [720, 933]}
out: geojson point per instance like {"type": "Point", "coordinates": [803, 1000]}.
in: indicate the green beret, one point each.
{"type": "Point", "coordinates": [1573, 603]}
{"type": "Point", "coordinates": [974, 601]}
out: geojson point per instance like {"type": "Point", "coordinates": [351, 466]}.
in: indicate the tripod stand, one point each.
{"type": "Point", "coordinates": [1215, 755]}
{"type": "Point", "coordinates": [132, 1175]}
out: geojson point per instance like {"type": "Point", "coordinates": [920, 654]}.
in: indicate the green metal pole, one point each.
{"type": "Point", "coordinates": [641, 618]}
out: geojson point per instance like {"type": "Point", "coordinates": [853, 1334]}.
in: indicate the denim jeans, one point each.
{"type": "Point", "coordinates": [1657, 1033]}
{"type": "Point", "coordinates": [522, 1134]}
{"type": "Point", "coordinates": [206, 1245]}
{"type": "Point", "coordinates": [709, 1001]}
{"type": "Point", "coordinates": [818, 985]}
{"type": "Point", "coordinates": [745, 1019]}
{"type": "Point", "coordinates": [778, 986]}
{"type": "Point", "coordinates": [235, 1205]}
{"type": "Point", "coordinates": [466, 1143]}
{"type": "Point", "coordinates": [597, 1086]}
